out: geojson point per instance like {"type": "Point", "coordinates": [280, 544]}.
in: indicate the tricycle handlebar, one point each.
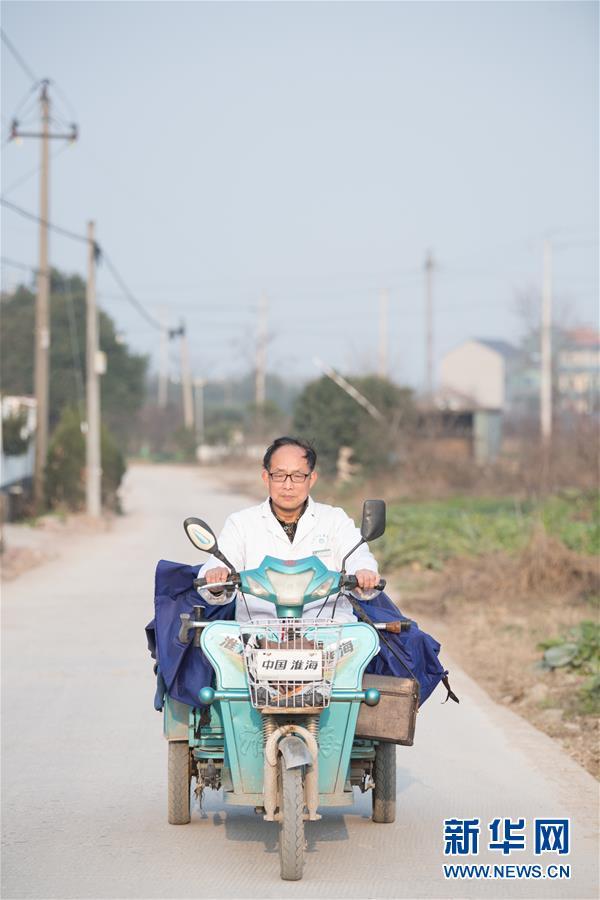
{"type": "Point", "coordinates": [232, 582]}
{"type": "Point", "coordinates": [349, 581]}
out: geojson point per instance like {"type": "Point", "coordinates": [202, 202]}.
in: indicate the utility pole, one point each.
{"type": "Point", "coordinates": [429, 267]}
{"type": "Point", "coordinates": [384, 302]}
{"type": "Point", "coordinates": [546, 347]}
{"type": "Point", "coordinates": [199, 384]}
{"type": "Point", "coordinates": [93, 478]}
{"type": "Point", "coordinates": [186, 381]}
{"type": "Point", "coordinates": [163, 371]}
{"type": "Point", "coordinates": [41, 365]}
{"type": "Point", "coordinates": [261, 352]}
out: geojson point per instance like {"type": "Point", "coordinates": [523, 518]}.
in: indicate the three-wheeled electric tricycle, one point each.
{"type": "Point", "coordinates": [290, 723]}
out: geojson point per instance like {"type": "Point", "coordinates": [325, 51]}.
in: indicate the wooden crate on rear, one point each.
{"type": "Point", "coordinates": [394, 718]}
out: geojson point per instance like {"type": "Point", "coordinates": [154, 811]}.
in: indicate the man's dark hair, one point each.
{"type": "Point", "coordinates": [309, 451]}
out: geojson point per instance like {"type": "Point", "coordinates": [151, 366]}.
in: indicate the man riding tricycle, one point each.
{"type": "Point", "coordinates": [286, 681]}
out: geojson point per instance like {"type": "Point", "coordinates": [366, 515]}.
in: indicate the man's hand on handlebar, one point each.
{"type": "Point", "coordinates": [366, 579]}
{"type": "Point", "coordinates": [214, 576]}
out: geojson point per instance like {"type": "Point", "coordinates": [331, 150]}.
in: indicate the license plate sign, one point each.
{"type": "Point", "coordinates": [289, 665]}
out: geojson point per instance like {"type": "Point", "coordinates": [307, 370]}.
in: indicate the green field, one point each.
{"type": "Point", "coordinates": [430, 533]}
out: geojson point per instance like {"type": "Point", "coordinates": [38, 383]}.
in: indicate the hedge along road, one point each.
{"type": "Point", "coordinates": [84, 760]}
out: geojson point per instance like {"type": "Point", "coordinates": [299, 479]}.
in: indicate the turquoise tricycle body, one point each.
{"type": "Point", "coordinates": [232, 737]}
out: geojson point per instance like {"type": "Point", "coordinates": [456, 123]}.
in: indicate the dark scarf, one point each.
{"type": "Point", "coordinates": [290, 527]}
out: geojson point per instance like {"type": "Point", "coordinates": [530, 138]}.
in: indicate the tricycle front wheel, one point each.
{"type": "Point", "coordinates": [179, 781]}
{"type": "Point", "coordinates": [291, 830]}
{"type": "Point", "coordinates": [384, 792]}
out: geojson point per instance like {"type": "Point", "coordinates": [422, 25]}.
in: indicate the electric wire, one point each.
{"type": "Point", "coordinates": [26, 97]}
{"type": "Point", "coordinates": [154, 322]}
{"type": "Point", "coordinates": [32, 172]}
{"type": "Point", "coordinates": [29, 115]}
{"type": "Point", "coordinates": [18, 56]}
{"type": "Point", "coordinates": [58, 120]}
{"type": "Point", "coordinates": [128, 295]}
{"type": "Point", "coordinates": [18, 265]}
{"type": "Point", "coordinates": [72, 111]}
{"type": "Point", "coordinates": [33, 218]}
{"type": "Point", "coordinates": [25, 116]}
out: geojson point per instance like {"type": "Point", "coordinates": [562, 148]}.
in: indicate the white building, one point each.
{"type": "Point", "coordinates": [480, 371]}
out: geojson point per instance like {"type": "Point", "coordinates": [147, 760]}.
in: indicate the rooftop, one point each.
{"type": "Point", "coordinates": [502, 347]}
{"type": "Point", "coordinates": [584, 337]}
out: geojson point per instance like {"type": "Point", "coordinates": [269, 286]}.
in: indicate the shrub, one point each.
{"type": "Point", "coordinates": [328, 417]}
{"type": "Point", "coordinates": [65, 469]}
{"type": "Point", "coordinates": [15, 439]}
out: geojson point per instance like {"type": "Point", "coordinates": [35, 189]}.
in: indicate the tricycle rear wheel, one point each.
{"type": "Point", "coordinates": [179, 782]}
{"type": "Point", "coordinates": [384, 774]}
{"type": "Point", "coordinates": [291, 830]}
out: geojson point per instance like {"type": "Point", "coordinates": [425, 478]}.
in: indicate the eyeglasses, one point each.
{"type": "Point", "coordinates": [295, 477]}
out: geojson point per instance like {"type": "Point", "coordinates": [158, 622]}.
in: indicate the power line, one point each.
{"type": "Point", "coordinates": [26, 97]}
{"type": "Point", "coordinates": [128, 295]}
{"type": "Point", "coordinates": [17, 265]}
{"type": "Point", "coordinates": [84, 239]}
{"type": "Point", "coordinates": [33, 171]}
{"type": "Point", "coordinates": [18, 57]}
{"type": "Point", "coordinates": [33, 218]}
{"type": "Point", "coordinates": [65, 99]}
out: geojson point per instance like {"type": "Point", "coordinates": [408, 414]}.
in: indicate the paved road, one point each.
{"type": "Point", "coordinates": [84, 762]}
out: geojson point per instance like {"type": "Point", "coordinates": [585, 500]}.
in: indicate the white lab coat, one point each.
{"type": "Point", "coordinates": [325, 531]}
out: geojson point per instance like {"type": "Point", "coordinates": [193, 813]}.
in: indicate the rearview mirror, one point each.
{"type": "Point", "coordinates": [200, 534]}
{"type": "Point", "coordinates": [373, 519]}
{"type": "Point", "coordinates": [203, 537]}
{"type": "Point", "coordinates": [372, 525]}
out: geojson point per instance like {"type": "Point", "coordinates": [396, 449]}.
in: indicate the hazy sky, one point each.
{"type": "Point", "coordinates": [315, 151]}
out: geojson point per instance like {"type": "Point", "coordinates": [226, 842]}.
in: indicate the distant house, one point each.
{"type": "Point", "coordinates": [475, 381]}
{"type": "Point", "coordinates": [579, 371]}
{"type": "Point", "coordinates": [489, 374]}
{"type": "Point", "coordinates": [482, 371]}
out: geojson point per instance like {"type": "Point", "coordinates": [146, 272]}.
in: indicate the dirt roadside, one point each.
{"type": "Point", "coordinates": [495, 638]}
{"type": "Point", "coordinates": [34, 542]}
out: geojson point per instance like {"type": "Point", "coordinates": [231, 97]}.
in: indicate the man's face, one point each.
{"type": "Point", "coordinates": [288, 495]}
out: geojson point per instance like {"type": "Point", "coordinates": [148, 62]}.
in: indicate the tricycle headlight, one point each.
{"type": "Point", "coordinates": [324, 589]}
{"type": "Point", "coordinates": [256, 588]}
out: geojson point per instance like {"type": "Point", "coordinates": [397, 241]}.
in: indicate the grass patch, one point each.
{"type": "Point", "coordinates": [431, 533]}
{"type": "Point", "coordinates": [574, 518]}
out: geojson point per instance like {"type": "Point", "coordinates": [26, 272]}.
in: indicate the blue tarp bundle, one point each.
{"type": "Point", "coordinates": [184, 670]}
